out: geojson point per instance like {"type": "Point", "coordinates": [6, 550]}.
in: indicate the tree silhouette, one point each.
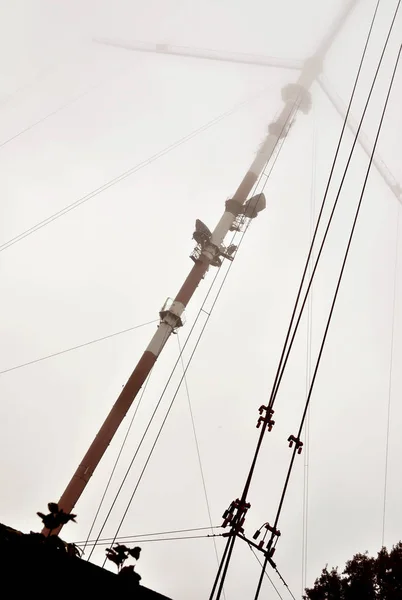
{"type": "Point", "coordinates": [119, 554]}
{"type": "Point", "coordinates": [364, 578]}
{"type": "Point", "coordinates": [55, 518]}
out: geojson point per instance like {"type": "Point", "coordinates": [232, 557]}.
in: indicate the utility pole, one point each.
{"type": "Point", "coordinates": [209, 251]}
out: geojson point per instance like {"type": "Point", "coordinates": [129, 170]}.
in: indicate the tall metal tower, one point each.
{"type": "Point", "coordinates": [210, 251]}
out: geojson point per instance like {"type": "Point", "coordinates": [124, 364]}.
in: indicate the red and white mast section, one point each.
{"type": "Point", "coordinates": [210, 251]}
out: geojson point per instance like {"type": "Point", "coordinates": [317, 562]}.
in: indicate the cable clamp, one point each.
{"type": "Point", "coordinates": [294, 440]}
{"type": "Point", "coordinates": [267, 418]}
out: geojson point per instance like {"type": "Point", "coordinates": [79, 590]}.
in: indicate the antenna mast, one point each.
{"type": "Point", "coordinates": [210, 251]}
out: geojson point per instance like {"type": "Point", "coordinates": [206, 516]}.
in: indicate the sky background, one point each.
{"type": "Point", "coordinates": [111, 263]}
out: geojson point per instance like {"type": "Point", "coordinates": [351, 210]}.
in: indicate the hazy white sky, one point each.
{"type": "Point", "coordinates": [111, 263]}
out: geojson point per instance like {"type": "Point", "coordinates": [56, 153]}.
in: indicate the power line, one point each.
{"type": "Point", "coordinates": [285, 584]}
{"type": "Point", "coordinates": [117, 460]}
{"type": "Point", "coordinates": [283, 358]}
{"type": "Point", "coordinates": [169, 539]}
{"type": "Point", "coordinates": [162, 425]}
{"type": "Point", "coordinates": [185, 370]}
{"type": "Point", "coordinates": [189, 361]}
{"type": "Point", "coordinates": [222, 568]}
{"type": "Point", "coordinates": [265, 571]}
{"type": "Point", "coordinates": [343, 264]}
{"type": "Point", "coordinates": [95, 341]}
{"type": "Point", "coordinates": [125, 174]}
{"type": "Point", "coordinates": [325, 235]}
{"type": "Point", "coordinates": [51, 114]}
{"type": "Point", "coordinates": [308, 371]}
{"type": "Point", "coordinates": [140, 535]}
{"type": "Point", "coordinates": [390, 375]}
{"type": "Point", "coordinates": [340, 277]}
{"type": "Point", "coordinates": [194, 432]}
{"type": "Point", "coordinates": [154, 412]}
{"type": "Point", "coordinates": [226, 557]}
{"type": "Point", "coordinates": [286, 351]}
{"type": "Point", "coordinates": [28, 84]}
{"type": "Point", "coordinates": [197, 446]}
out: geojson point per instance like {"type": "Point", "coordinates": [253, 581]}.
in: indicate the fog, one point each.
{"type": "Point", "coordinates": [75, 115]}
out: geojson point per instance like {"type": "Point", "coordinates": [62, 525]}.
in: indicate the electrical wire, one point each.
{"type": "Point", "coordinates": [223, 566]}
{"type": "Point", "coordinates": [161, 397]}
{"type": "Point", "coordinates": [265, 572]}
{"type": "Point", "coordinates": [28, 84]}
{"type": "Point", "coordinates": [347, 250]}
{"type": "Point", "coordinates": [194, 433]}
{"type": "Point", "coordinates": [286, 349]}
{"type": "Point", "coordinates": [140, 535]}
{"type": "Point", "coordinates": [52, 113]}
{"type": "Point", "coordinates": [197, 448]}
{"type": "Point", "coordinates": [155, 410]}
{"type": "Point", "coordinates": [226, 557]}
{"type": "Point", "coordinates": [138, 404]}
{"type": "Point", "coordinates": [126, 173]}
{"type": "Point", "coordinates": [336, 201]}
{"type": "Point", "coordinates": [185, 370]}
{"type": "Point", "coordinates": [163, 424]}
{"type": "Point", "coordinates": [340, 277]}
{"type": "Point", "coordinates": [390, 375]}
{"type": "Point", "coordinates": [378, 161]}
{"type": "Point", "coordinates": [309, 335]}
{"type": "Point", "coordinates": [95, 341]}
{"type": "Point", "coordinates": [280, 367]}
{"type": "Point", "coordinates": [188, 363]}
{"type": "Point", "coordinates": [285, 352]}
{"type": "Point", "coordinates": [285, 584]}
{"type": "Point", "coordinates": [170, 539]}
